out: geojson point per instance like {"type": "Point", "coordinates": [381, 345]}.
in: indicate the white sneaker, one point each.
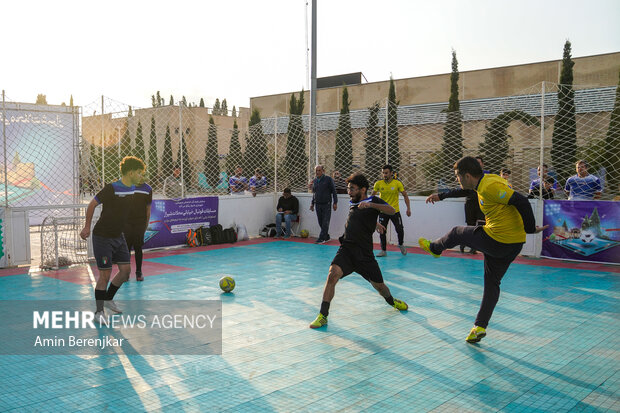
{"type": "Point", "coordinates": [403, 249]}
{"type": "Point", "coordinates": [382, 254]}
{"type": "Point", "coordinates": [101, 318]}
{"type": "Point", "coordinates": [112, 306]}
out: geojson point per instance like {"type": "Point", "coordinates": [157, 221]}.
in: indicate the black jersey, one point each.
{"type": "Point", "coordinates": [142, 197]}
{"type": "Point", "coordinates": [116, 199]}
{"type": "Point", "coordinates": [361, 224]}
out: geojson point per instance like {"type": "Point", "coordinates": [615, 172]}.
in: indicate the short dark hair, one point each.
{"type": "Point", "coordinates": [131, 163]}
{"type": "Point", "coordinates": [480, 157]}
{"type": "Point", "coordinates": [388, 166]}
{"type": "Point", "coordinates": [287, 190]}
{"type": "Point", "coordinates": [469, 165]}
{"type": "Point", "coordinates": [359, 180]}
{"type": "Point", "coordinates": [545, 166]}
{"type": "Point", "coordinates": [505, 171]}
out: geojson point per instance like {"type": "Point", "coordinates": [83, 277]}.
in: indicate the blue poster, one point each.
{"type": "Point", "coordinates": [582, 230]}
{"type": "Point", "coordinates": [171, 219]}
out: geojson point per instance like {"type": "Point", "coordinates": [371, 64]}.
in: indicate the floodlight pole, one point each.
{"type": "Point", "coordinates": [314, 153]}
{"type": "Point", "coordinates": [102, 144]}
{"type": "Point", "coordinates": [541, 204]}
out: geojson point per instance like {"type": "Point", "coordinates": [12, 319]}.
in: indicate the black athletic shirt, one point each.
{"type": "Point", "coordinates": [360, 225]}
{"type": "Point", "coordinates": [116, 199]}
{"type": "Point", "coordinates": [142, 197]}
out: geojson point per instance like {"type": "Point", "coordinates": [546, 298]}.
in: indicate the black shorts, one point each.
{"type": "Point", "coordinates": [134, 234]}
{"type": "Point", "coordinates": [351, 258]}
{"type": "Point", "coordinates": [110, 251]}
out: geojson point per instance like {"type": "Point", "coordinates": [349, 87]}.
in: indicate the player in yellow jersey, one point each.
{"type": "Point", "coordinates": [388, 189]}
{"type": "Point", "coordinates": [509, 217]}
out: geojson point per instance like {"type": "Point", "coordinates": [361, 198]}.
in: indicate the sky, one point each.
{"type": "Point", "coordinates": [129, 49]}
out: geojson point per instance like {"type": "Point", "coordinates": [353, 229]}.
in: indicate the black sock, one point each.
{"type": "Point", "coordinates": [112, 289]}
{"type": "Point", "coordinates": [325, 308]}
{"type": "Point", "coordinates": [138, 255]}
{"type": "Point", "coordinates": [389, 300]}
{"type": "Point", "coordinates": [99, 297]}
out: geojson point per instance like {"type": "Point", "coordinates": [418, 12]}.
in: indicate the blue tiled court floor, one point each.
{"type": "Point", "coordinates": [553, 343]}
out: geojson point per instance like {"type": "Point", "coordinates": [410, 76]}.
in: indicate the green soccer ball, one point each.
{"type": "Point", "coordinates": [227, 284]}
{"type": "Point", "coordinates": [304, 233]}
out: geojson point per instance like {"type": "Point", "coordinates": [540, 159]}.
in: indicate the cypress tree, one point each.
{"type": "Point", "coordinates": [153, 163]}
{"type": "Point", "coordinates": [344, 138]}
{"type": "Point", "coordinates": [216, 107]}
{"type": "Point", "coordinates": [612, 147]}
{"type": "Point", "coordinates": [167, 165]}
{"type": "Point", "coordinates": [256, 149]}
{"type": "Point", "coordinates": [452, 146]}
{"type": "Point", "coordinates": [224, 109]}
{"type": "Point", "coordinates": [212, 161]}
{"type": "Point", "coordinates": [564, 138]}
{"type": "Point", "coordinates": [202, 103]}
{"type": "Point", "coordinates": [235, 156]}
{"type": "Point", "coordinates": [392, 121]}
{"type": "Point", "coordinates": [372, 144]}
{"type": "Point", "coordinates": [296, 159]}
{"type": "Point", "coordinates": [171, 103]}
{"type": "Point", "coordinates": [125, 142]}
{"type": "Point", "coordinates": [139, 143]}
{"type": "Point", "coordinates": [234, 112]}
{"type": "Point", "coordinates": [183, 156]}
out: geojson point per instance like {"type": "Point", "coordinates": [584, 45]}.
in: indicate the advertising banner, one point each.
{"type": "Point", "coordinates": [170, 219]}
{"type": "Point", "coordinates": [582, 230]}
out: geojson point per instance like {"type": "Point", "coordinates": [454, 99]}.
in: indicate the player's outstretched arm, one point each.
{"type": "Point", "coordinates": [432, 198]}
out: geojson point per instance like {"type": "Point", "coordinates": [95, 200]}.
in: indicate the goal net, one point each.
{"type": "Point", "coordinates": [61, 244]}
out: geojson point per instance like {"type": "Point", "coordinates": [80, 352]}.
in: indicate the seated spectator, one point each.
{"type": "Point", "coordinates": [258, 183]}
{"type": "Point", "coordinates": [288, 208]}
{"type": "Point", "coordinates": [238, 183]}
{"type": "Point", "coordinates": [505, 173]}
{"type": "Point", "coordinates": [339, 183]}
{"type": "Point", "coordinates": [173, 185]}
{"type": "Point", "coordinates": [549, 185]}
{"type": "Point", "coordinates": [583, 186]}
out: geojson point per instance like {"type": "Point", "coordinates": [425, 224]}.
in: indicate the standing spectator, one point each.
{"type": "Point", "coordinates": [323, 193]}
{"type": "Point", "coordinates": [258, 183]}
{"type": "Point", "coordinates": [339, 183]}
{"type": "Point", "coordinates": [238, 183]}
{"type": "Point", "coordinates": [548, 188]}
{"type": "Point", "coordinates": [388, 190]}
{"type": "Point", "coordinates": [583, 186]}
{"type": "Point", "coordinates": [288, 208]}
{"type": "Point", "coordinates": [173, 185]}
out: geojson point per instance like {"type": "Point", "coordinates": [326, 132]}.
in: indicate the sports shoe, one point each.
{"type": "Point", "coordinates": [318, 241]}
{"type": "Point", "coordinates": [400, 305]}
{"type": "Point", "coordinates": [321, 321]}
{"type": "Point", "coordinates": [382, 253]}
{"type": "Point", "coordinates": [476, 334]}
{"type": "Point", "coordinates": [426, 246]}
{"type": "Point", "coordinates": [325, 240]}
{"type": "Point", "coordinates": [403, 249]}
{"type": "Point", "coordinates": [101, 318]}
{"type": "Point", "coordinates": [139, 276]}
{"type": "Point", "coordinates": [462, 248]}
{"type": "Point", "coordinates": [112, 306]}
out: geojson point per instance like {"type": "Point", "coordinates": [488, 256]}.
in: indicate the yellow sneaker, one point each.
{"type": "Point", "coordinates": [400, 305]}
{"type": "Point", "coordinates": [426, 246]}
{"type": "Point", "coordinates": [476, 334]}
{"type": "Point", "coordinates": [319, 321]}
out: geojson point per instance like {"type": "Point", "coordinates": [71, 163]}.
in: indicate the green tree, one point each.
{"type": "Point", "coordinates": [167, 165]}
{"type": "Point", "coordinates": [392, 123]}
{"type": "Point", "coordinates": [125, 142]}
{"type": "Point", "coordinates": [216, 107]}
{"type": "Point", "coordinates": [373, 143]}
{"type": "Point", "coordinates": [153, 163]}
{"type": "Point", "coordinates": [234, 112]}
{"type": "Point", "coordinates": [494, 148]}
{"type": "Point", "coordinates": [564, 138]}
{"type": "Point", "coordinates": [224, 108]}
{"type": "Point", "coordinates": [154, 103]}
{"type": "Point", "coordinates": [202, 103]}
{"type": "Point", "coordinates": [138, 149]}
{"type": "Point", "coordinates": [452, 146]}
{"type": "Point", "coordinates": [344, 138]}
{"type": "Point", "coordinates": [129, 112]}
{"type": "Point", "coordinates": [41, 99]}
{"type": "Point", "coordinates": [612, 147]}
{"type": "Point", "coordinates": [212, 160]}
{"type": "Point", "coordinates": [171, 102]}
{"type": "Point", "coordinates": [71, 101]}
{"type": "Point", "coordinates": [183, 156]}
{"type": "Point", "coordinates": [184, 101]}
{"type": "Point", "coordinates": [235, 156]}
{"type": "Point", "coordinates": [256, 149]}
{"type": "Point", "coordinates": [296, 159]}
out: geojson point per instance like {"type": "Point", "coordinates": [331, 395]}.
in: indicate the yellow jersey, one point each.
{"type": "Point", "coordinates": [503, 221]}
{"type": "Point", "coordinates": [389, 191]}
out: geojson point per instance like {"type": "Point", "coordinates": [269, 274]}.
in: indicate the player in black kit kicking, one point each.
{"type": "Point", "coordinates": [355, 252]}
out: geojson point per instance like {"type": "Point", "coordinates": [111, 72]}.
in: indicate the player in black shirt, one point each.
{"type": "Point", "coordinates": [355, 252]}
{"type": "Point", "coordinates": [138, 220]}
{"type": "Point", "coordinates": [108, 242]}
